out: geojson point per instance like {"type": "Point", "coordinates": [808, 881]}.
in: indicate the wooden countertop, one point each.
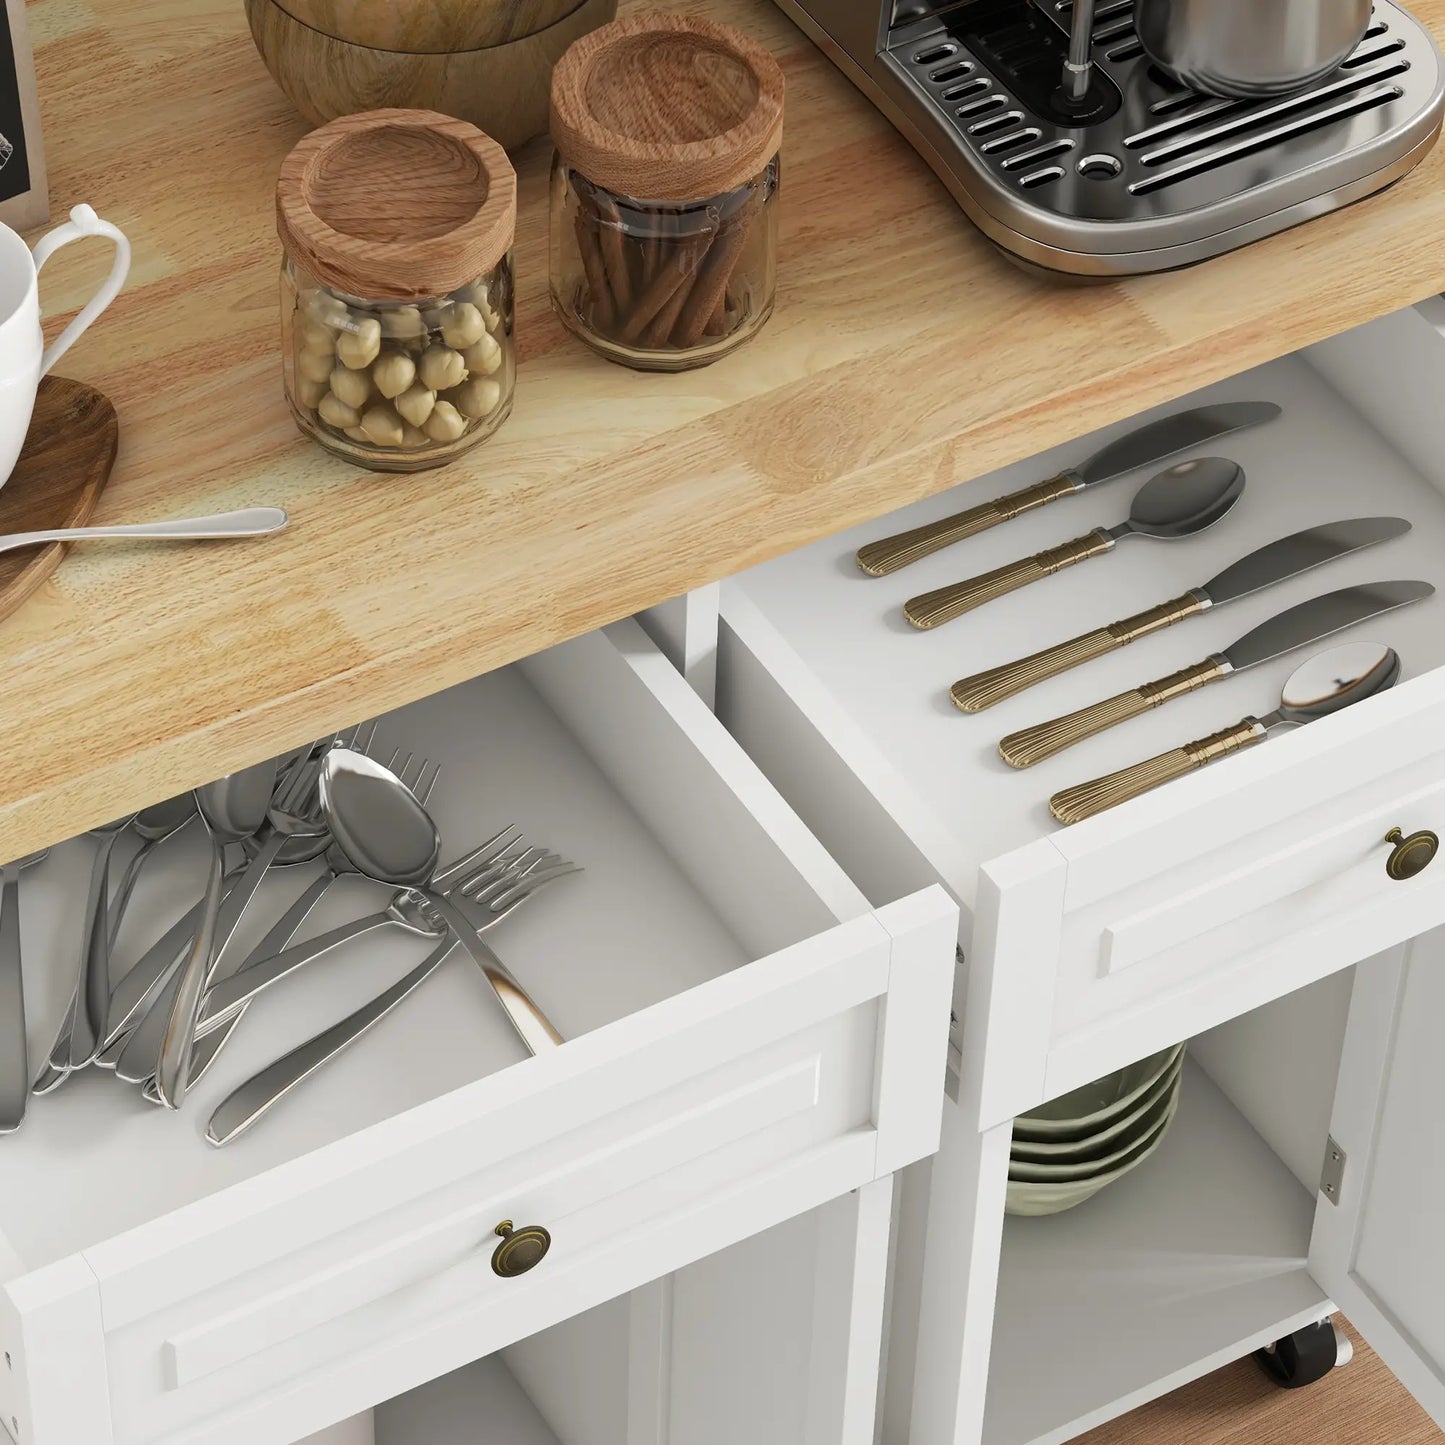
{"type": "Point", "coordinates": [904, 357]}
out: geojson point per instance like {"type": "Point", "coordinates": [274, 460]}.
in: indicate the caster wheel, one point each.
{"type": "Point", "coordinates": [1305, 1357]}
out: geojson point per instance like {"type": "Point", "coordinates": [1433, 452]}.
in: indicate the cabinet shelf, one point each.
{"type": "Point", "coordinates": [484, 1396]}
{"type": "Point", "coordinates": [1154, 1282]}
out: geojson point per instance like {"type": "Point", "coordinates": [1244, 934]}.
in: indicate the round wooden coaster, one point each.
{"type": "Point", "coordinates": [65, 464]}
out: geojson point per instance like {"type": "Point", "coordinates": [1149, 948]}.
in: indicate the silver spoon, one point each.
{"type": "Point", "coordinates": [84, 1023]}
{"type": "Point", "coordinates": [206, 1047]}
{"type": "Point", "coordinates": [136, 994]}
{"type": "Point", "coordinates": [292, 830]}
{"type": "Point", "coordinates": [1327, 683]}
{"type": "Point", "coordinates": [378, 823]}
{"type": "Point", "coordinates": [287, 826]}
{"type": "Point", "coordinates": [1180, 502]}
{"type": "Point", "coordinates": [152, 826]}
{"type": "Point", "coordinates": [232, 803]}
{"type": "Point", "coordinates": [14, 1056]}
{"type": "Point", "coordinates": [231, 808]}
{"type": "Point", "coordinates": [252, 522]}
{"type": "Point", "coordinates": [136, 1005]}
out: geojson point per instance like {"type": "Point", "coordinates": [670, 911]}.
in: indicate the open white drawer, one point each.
{"type": "Point", "coordinates": [747, 1040]}
{"type": "Point", "coordinates": [1090, 946]}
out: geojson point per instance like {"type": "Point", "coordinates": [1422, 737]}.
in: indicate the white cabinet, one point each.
{"type": "Point", "coordinates": [1222, 907]}
{"type": "Point", "coordinates": [1378, 1248]}
{"type": "Point", "coordinates": [755, 1342]}
{"type": "Point", "coordinates": [756, 1047]}
{"type": "Point", "coordinates": [747, 1041]}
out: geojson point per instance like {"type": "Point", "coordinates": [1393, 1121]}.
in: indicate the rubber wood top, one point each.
{"type": "Point", "coordinates": [397, 204]}
{"type": "Point", "coordinates": [904, 357]}
{"type": "Point", "coordinates": [69, 451]}
{"type": "Point", "coordinates": [667, 107]}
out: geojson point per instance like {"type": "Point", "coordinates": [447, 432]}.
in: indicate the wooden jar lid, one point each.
{"type": "Point", "coordinates": [667, 107]}
{"type": "Point", "coordinates": [397, 205]}
{"type": "Point", "coordinates": [427, 27]}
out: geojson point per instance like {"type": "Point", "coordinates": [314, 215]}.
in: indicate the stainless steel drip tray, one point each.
{"type": "Point", "coordinates": [1170, 177]}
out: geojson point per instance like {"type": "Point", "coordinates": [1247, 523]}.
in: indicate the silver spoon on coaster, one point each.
{"type": "Point", "coordinates": [219, 527]}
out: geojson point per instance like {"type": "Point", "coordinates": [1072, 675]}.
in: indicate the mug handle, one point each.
{"type": "Point", "coordinates": [83, 222]}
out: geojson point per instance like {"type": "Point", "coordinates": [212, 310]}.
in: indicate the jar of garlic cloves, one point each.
{"type": "Point", "coordinates": [396, 287]}
{"type": "Point", "coordinates": [663, 239]}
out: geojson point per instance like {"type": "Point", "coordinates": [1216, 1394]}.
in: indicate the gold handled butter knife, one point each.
{"type": "Point", "coordinates": [1327, 683]}
{"type": "Point", "coordinates": [1311, 621]}
{"type": "Point", "coordinates": [1147, 445]}
{"type": "Point", "coordinates": [1276, 562]}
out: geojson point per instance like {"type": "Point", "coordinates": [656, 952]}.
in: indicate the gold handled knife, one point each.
{"type": "Point", "coordinates": [1276, 562]}
{"type": "Point", "coordinates": [1143, 447]}
{"type": "Point", "coordinates": [1311, 621]}
{"type": "Point", "coordinates": [1327, 683]}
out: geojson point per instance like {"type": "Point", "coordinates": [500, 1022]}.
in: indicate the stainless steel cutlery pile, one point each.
{"type": "Point", "coordinates": [165, 1021]}
{"type": "Point", "coordinates": [1180, 502]}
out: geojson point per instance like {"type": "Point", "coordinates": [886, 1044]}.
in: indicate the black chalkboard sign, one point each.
{"type": "Point", "coordinates": [23, 199]}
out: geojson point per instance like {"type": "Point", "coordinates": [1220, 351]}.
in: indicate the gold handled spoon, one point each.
{"type": "Point", "coordinates": [1327, 683]}
{"type": "Point", "coordinates": [1180, 502]}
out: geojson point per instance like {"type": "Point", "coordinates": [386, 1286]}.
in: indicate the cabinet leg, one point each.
{"type": "Point", "coordinates": [1305, 1357]}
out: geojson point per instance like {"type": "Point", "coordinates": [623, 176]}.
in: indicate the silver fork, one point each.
{"type": "Point", "coordinates": [501, 861]}
{"type": "Point", "coordinates": [257, 1095]}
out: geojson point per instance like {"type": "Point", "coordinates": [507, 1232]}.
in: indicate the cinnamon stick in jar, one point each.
{"type": "Point", "coordinates": [667, 129]}
{"type": "Point", "coordinates": [672, 280]}
{"type": "Point", "coordinates": [600, 307]}
{"type": "Point", "coordinates": [614, 260]}
{"type": "Point", "coordinates": [710, 288]}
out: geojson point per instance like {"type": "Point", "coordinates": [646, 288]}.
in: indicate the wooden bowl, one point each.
{"type": "Point", "coordinates": [422, 26]}
{"type": "Point", "coordinates": [502, 89]}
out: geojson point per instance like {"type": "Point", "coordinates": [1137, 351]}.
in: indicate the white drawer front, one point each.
{"type": "Point", "coordinates": [1235, 887]}
{"type": "Point", "coordinates": [647, 1120]}
{"type": "Point", "coordinates": [319, 1289]}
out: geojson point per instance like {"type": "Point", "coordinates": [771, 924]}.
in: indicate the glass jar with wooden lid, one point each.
{"type": "Point", "coordinates": [396, 287]}
{"type": "Point", "coordinates": [664, 221]}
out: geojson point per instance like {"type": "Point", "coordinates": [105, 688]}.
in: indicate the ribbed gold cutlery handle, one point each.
{"type": "Point", "coordinates": [888, 554]}
{"type": "Point", "coordinates": [1032, 745]}
{"type": "Point", "coordinates": [943, 605]}
{"type": "Point", "coordinates": [984, 689]}
{"type": "Point", "coordinates": [1073, 805]}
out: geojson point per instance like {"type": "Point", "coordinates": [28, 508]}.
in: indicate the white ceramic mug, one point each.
{"type": "Point", "coordinates": [24, 357]}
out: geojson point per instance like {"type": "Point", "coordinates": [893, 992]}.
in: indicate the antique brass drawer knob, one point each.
{"type": "Point", "coordinates": [520, 1249]}
{"type": "Point", "coordinates": [1411, 855]}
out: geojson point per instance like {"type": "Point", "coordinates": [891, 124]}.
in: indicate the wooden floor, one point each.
{"type": "Point", "coordinates": [1362, 1404]}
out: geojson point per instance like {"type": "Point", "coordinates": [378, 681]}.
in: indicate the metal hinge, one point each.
{"type": "Point", "coordinates": [1332, 1176]}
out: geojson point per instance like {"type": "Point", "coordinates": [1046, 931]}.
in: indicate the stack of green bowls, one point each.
{"type": "Point", "coordinates": [1069, 1149]}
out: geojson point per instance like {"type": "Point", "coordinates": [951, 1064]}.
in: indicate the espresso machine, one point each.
{"type": "Point", "coordinates": [1075, 151]}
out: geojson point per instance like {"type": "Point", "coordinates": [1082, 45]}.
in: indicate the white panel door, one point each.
{"type": "Point", "coordinates": [1380, 1250]}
